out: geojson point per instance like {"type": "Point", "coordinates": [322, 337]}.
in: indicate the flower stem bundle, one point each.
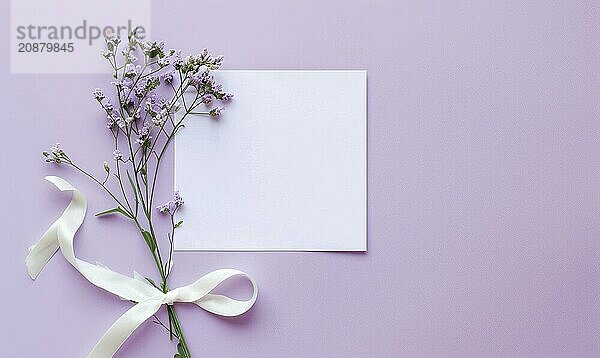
{"type": "Point", "coordinates": [148, 107]}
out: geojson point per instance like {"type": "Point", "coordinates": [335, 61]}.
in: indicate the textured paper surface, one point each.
{"type": "Point", "coordinates": [284, 168]}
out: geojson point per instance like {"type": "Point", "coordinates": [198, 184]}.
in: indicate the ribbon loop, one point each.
{"type": "Point", "coordinates": [61, 235]}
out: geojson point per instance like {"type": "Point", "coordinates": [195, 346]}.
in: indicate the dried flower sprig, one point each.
{"type": "Point", "coordinates": [147, 110]}
{"type": "Point", "coordinates": [56, 155]}
{"type": "Point", "coordinates": [171, 206]}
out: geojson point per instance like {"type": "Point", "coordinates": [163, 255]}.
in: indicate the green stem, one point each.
{"type": "Point", "coordinates": [179, 331]}
{"type": "Point", "coordinates": [142, 186]}
{"type": "Point", "coordinates": [100, 184]}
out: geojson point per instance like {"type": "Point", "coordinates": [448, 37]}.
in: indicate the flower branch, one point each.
{"type": "Point", "coordinates": [143, 122]}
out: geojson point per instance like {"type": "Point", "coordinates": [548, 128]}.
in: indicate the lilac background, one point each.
{"type": "Point", "coordinates": [484, 195]}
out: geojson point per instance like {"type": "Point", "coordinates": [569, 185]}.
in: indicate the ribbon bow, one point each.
{"type": "Point", "coordinates": [149, 299]}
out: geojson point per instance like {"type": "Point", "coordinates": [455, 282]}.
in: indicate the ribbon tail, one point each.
{"type": "Point", "coordinates": [42, 251]}
{"type": "Point", "coordinates": [118, 333]}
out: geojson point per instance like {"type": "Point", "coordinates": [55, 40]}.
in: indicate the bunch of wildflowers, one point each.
{"type": "Point", "coordinates": [143, 115]}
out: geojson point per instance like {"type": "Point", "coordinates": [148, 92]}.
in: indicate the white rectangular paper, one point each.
{"type": "Point", "coordinates": [283, 168]}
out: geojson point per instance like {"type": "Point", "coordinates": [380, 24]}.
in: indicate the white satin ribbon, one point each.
{"type": "Point", "coordinates": [61, 234]}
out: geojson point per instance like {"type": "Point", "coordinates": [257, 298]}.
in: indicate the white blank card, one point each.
{"type": "Point", "coordinates": [283, 168]}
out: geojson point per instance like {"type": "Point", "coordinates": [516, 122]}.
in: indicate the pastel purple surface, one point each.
{"type": "Point", "coordinates": [484, 188]}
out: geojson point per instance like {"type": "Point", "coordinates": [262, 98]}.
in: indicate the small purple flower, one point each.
{"type": "Point", "coordinates": [215, 112]}
{"type": "Point", "coordinates": [110, 122]}
{"type": "Point", "coordinates": [163, 62]}
{"type": "Point", "coordinates": [178, 199]}
{"type": "Point", "coordinates": [139, 91]}
{"type": "Point", "coordinates": [98, 94]}
{"type": "Point", "coordinates": [129, 57]}
{"type": "Point", "coordinates": [177, 60]}
{"type": "Point", "coordinates": [112, 42]}
{"type": "Point", "coordinates": [108, 106]}
{"type": "Point", "coordinates": [124, 84]}
{"type": "Point", "coordinates": [105, 53]}
{"type": "Point", "coordinates": [150, 102]}
{"type": "Point", "coordinates": [167, 77]}
{"type": "Point", "coordinates": [144, 135]}
{"type": "Point", "coordinates": [56, 155]}
{"type": "Point", "coordinates": [171, 206]}
{"type": "Point", "coordinates": [207, 99]}
{"type": "Point", "coordinates": [153, 49]}
{"type": "Point", "coordinates": [163, 208]}
{"type": "Point", "coordinates": [152, 82]}
{"type": "Point", "coordinates": [131, 71]}
{"type": "Point", "coordinates": [163, 102]}
{"type": "Point", "coordinates": [161, 118]}
{"type": "Point", "coordinates": [198, 79]}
